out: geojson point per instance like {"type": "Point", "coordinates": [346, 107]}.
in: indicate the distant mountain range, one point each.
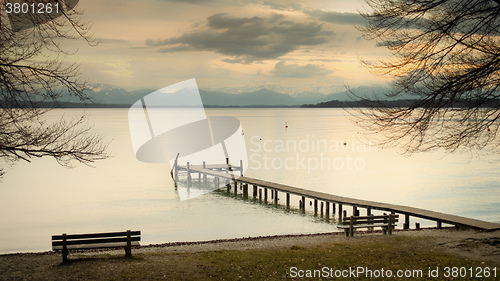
{"type": "Point", "coordinates": [103, 95]}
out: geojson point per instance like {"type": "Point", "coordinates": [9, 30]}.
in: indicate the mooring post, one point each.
{"type": "Point", "coordinates": [288, 200]}
{"type": "Point", "coordinates": [327, 210]}
{"type": "Point", "coordinates": [439, 224]}
{"type": "Point", "coordinates": [417, 225]}
{"type": "Point", "coordinates": [340, 212]}
{"type": "Point", "coordinates": [315, 207]}
{"type": "Point", "coordinates": [245, 191]}
{"type": "Point", "coordinates": [176, 172]}
{"type": "Point", "coordinates": [188, 173]}
{"type": "Point", "coordinates": [407, 222]}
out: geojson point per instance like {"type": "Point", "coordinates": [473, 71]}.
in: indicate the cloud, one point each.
{"type": "Point", "coordinates": [338, 18]}
{"type": "Point", "coordinates": [281, 69]}
{"type": "Point", "coordinates": [247, 39]}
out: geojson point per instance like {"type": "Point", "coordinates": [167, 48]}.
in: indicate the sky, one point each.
{"type": "Point", "coordinates": [304, 45]}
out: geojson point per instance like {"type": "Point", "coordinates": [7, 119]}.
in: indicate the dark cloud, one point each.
{"type": "Point", "coordinates": [281, 69]}
{"type": "Point", "coordinates": [338, 18]}
{"type": "Point", "coordinates": [247, 39]}
{"type": "Point", "coordinates": [390, 44]}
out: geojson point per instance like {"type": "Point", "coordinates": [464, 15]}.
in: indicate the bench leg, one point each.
{"type": "Point", "coordinates": [128, 248]}
{"type": "Point", "coordinates": [65, 249]}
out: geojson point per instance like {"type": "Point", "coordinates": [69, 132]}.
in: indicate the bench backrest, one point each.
{"type": "Point", "coordinates": [370, 219]}
{"type": "Point", "coordinates": [96, 240]}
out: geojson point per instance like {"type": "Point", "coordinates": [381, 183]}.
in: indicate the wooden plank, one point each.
{"type": "Point", "coordinates": [96, 235]}
{"type": "Point", "coordinates": [96, 246]}
{"type": "Point", "coordinates": [364, 225]}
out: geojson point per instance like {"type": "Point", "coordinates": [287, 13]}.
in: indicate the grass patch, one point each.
{"type": "Point", "coordinates": [393, 253]}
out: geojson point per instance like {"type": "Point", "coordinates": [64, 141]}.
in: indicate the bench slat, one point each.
{"type": "Point", "coordinates": [95, 246]}
{"type": "Point", "coordinates": [368, 221]}
{"type": "Point", "coordinates": [96, 235]}
{"type": "Point", "coordinates": [364, 226]}
{"type": "Point", "coordinates": [96, 241]}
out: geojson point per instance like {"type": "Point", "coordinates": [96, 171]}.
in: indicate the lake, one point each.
{"type": "Point", "coordinates": [320, 150]}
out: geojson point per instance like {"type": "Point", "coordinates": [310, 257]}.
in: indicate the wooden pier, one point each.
{"type": "Point", "coordinates": [337, 203]}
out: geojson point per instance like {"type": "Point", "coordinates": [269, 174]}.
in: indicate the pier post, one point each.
{"type": "Point", "coordinates": [368, 211]}
{"type": "Point", "coordinates": [189, 174]}
{"type": "Point", "coordinates": [176, 175]}
{"type": "Point", "coordinates": [340, 212]}
{"type": "Point", "coordinates": [235, 188]}
{"type": "Point", "coordinates": [439, 225]}
{"type": "Point", "coordinates": [355, 211]}
{"type": "Point", "coordinates": [327, 210]}
{"type": "Point", "coordinates": [272, 194]}
{"type": "Point", "coordinates": [245, 191]}
{"type": "Point", "coordinates": [344, 213]}
{"type": "Point", "coordinates": [228, 186]}
{"type": "Point", "coordinates": [254, 191]}
{"type": "Point", "coordinates": [265, 195]}
{"type": "Point", "coordinates": [322, 209]}
{"type": "Point", "coordinates": [276, 197]}
{"type": "Point", "coordinates": [288, 200]}
{"type": "Point", "coordinates": [303, 204]}
{"type": "Point", "coordinates": [260, 195]}
{"type": "Point", "coordinates": [333, 209]}
{"type": "Point", "coordinates": [407, 222]}
{"type": "Point", "coordinates": [315, 207]}
{"type": "Point", "coordinates": [417, 225]}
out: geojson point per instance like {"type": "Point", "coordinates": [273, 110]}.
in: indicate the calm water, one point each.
{"type": "Point", "coordinates": [321, 150]}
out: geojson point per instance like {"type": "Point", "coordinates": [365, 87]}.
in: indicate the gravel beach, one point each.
{"type": "Point", "coordinates": [469, 244]}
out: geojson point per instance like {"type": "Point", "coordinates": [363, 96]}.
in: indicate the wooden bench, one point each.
{"type": "Point", "coordinates": [66, 242]}
{"type": "Point", "coordinates": [386, 222]}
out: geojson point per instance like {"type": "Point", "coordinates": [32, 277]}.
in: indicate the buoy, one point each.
{"type": "Point", "coordinates": [286, 125]}
{"type": "Point", "coordinates": [242, 133]}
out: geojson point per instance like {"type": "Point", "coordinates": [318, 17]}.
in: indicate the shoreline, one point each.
{"type": "Point", "coordinates": [250, 239]}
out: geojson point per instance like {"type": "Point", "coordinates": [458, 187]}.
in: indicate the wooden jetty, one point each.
{"type": "Point", "coordinates": [337, 203]}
